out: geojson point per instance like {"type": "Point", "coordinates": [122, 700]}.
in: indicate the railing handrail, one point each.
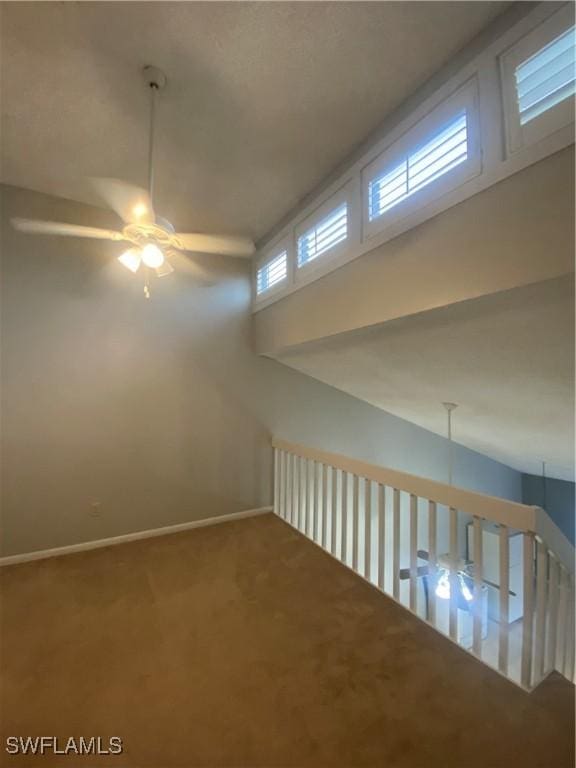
{"type": "Point", "coordinates": [521, 517]}
{"type": "Point", "coordinates": [346, 506]}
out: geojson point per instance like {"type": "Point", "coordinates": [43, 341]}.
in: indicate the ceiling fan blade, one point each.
{"type": "Point", "coordinates": [225, 245]}
{"type": "Point", "coordinates": [35, 227]}
{"type": "Point", "coordinates": [130, 202]}
{"type": "Point", "coordinates": [422, 570]}
{"type": "Point", "coordinates": [164, 269]}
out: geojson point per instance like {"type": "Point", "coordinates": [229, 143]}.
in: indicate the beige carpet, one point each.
{"type": "Point", "coordinates": [243, 644]}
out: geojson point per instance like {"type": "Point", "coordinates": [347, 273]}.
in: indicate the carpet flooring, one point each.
{"type": "Point", "coordinates": [243, 644]}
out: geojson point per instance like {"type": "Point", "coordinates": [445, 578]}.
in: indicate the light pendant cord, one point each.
{"type": "Point", "coordinates": [449, 408]}
{"type": "Point", "coordinates": [146, 282]}
{"type": "Point", "coordinates": [450, 454]}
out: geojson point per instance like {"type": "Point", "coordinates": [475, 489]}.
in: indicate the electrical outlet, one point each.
{"type": "Point", "coordinates": [95, 508]}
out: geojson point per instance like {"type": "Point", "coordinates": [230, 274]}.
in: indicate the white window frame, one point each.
{"type": "Point", "coordinates": [304, 272]}
{"type": "Point", "coordinates": [556, 118]}
{"type": "Point", "coordinates": [465, 98]}
{"type": "Point", "coordinates": [272, 252]}
{"type": "Point", "coordinates": [482, 72]}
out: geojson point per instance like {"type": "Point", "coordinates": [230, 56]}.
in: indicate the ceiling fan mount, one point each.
{"type": "Point", "coordinates": [153, 240]}
{"type": "Point", "coordinates": [154, 77]}
{"type": "Point", "coordinates": [142, 234]}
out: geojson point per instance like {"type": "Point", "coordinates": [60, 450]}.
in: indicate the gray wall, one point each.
{"type": "Point", "coordinates": [556, 497]}
{"type": "Point", "coordinates": [158, 409]}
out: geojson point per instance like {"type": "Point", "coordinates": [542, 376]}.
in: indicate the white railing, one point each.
{"type": "Point", "coordinates": [474, 567]}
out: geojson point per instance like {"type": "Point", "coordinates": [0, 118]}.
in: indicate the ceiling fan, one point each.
{"type": "Point", "coordinates": [464, 579]}
{"type": "Point", "coordinates": [153, 241]}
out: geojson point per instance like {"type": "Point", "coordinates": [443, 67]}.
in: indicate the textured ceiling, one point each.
{"type": "Point", "coordinates": [263, 99]}
{"type": "Point", "coordinates": [507, 360]}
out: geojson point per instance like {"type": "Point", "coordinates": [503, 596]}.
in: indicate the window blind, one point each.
{"type": "Point", "coordinates": [547, 77]}
{"type": "Point", "coordinates": [272, 273]}
{"type": "Point", "coordinates": [439, 155]}
{"type": "Point", "coordinates": [327, 233]}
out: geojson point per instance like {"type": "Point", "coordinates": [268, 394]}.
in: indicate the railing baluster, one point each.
{"type": "Point", "coordinates": [541, 598]}
{"type": "Point", "coordinates": [381, 536]}
{"type": "Point", "coordinates": [355, 519]}
{"type": "Point", "coordinates": [315, 506]}
{"type": "Point", "coordinates": [454, 559]}
{"type": "Point", "coordinates": [367, 529]}
{"type": "Point", "coordinates": [284, 476]}
{"type": "Point", "coordinates": [413, 552]}
{"type": "Point", "coordinates": [285, 486]}
{"type": "Point", "coordinates": [324, 494]}
{"type": "Point", "coordinates": [396, 546]}
{"type": "Point", "coordinates": [276, 482]}
{"type": "Point", "coordinates": [312, 511]}
{"type": "Point", "coordinates": [318, 504]}
{"type": "Point", "coordinates": [303, 494]}
{"type": "Point", "coordinates": [478, 542]}
{"type": "Point", "coordinates": [300, 506]}
{"type": "Point", "coordinates": [504, 543]}
{"type": "Point", "coordinates": [562, 621]}
{"type": "Point", "coordinates": [344, 517]}
{"type": "Point", "coordinates": [552, 634]}
{"type": "Point", "coordinates": [527, 620]}
{"type": "Point", "coordinates": [569, 669]}
{"type": "Point", "coordinates": [432, 562]}
{"type": "Point", "coordinates": [280, 480]}
{"type": "Point", "coordinates": [294, 490]}
{"type": "Point", "coordinates": [333, 509]}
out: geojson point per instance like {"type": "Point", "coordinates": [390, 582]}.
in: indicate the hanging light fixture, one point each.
{"type": "Point", "coordinates": [443, 586]}
{"type": "Point", "coordinates": [463, 581]}
{"type": "Point", "coordinates": [131, 259]}
{"type": "Point", "coordinates": [152, 256]}
{"type": "Point", "coordinates": [152, 241]}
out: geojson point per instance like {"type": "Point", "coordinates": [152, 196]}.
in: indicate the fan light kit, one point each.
{"type": "Point", "coordinates": [462, 578]}
{"type": "Point", "coordinates": [153, 240]}
{"type": "Point", "coordinates": [448, 572]}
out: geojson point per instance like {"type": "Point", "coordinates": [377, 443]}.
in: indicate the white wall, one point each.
{"type": "Point", "coordinates": [157, 409]}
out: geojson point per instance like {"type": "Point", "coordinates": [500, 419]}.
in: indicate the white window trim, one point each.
{"type": "Point", "coordinates": [318, 265]}
{"type": "Point", "coordinates": [520, 136]}
{"type": "Point", "coordinates": [272, 252]}
{"type": "Point", "coordinates": [496, 162]}
{"type": "Point", "coordinates": [465, 98]}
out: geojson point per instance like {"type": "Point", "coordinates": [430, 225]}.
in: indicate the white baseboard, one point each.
{"type": "Point", "coordinates": [84, 546]}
